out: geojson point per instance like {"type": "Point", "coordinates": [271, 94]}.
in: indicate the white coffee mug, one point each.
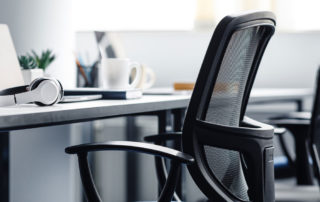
{"type": "Point", "coordinates": [147, 77]}
{"type": "Point", "coordinates": [115, 73]}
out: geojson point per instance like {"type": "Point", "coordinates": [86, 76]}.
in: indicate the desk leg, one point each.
{"type": "Point", "coordinates": [131, 131]}
{"type": "Point", "coordinates": [4, 166]}
{"type": "Point", "coordinates": [299, 103]}
{"type": "Point", "coordinates": [178, 115]}
{"type": "Point", "coordinates": [160, 165]}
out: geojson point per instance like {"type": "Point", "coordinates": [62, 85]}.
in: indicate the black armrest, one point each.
{"type": "Point", "coordinates": [132, 146]}
{"type": "Point", "coordinates": [163, 137]}
{"type": "Point", "coordinates": [176, 157]}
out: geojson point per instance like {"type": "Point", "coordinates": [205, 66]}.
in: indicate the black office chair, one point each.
{"type": "Point", "coordinates": [304, 127]}
{"type": "Point", "coordinates": [233, 155]}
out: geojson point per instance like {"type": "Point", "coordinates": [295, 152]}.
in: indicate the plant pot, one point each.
{"type": "Point", "coordinates": [31, 74]}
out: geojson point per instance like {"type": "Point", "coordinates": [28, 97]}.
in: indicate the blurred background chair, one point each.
{"type": "Point", "coordinates": [233, 155]}
{"type": "Point", "coordinates": [304, 127]}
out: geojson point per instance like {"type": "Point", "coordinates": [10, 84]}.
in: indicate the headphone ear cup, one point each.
{"type": "Point", "coordinates": [61, 92]}
{"type": "Point", "coordinates": [60, 88]}
{"type": "Point", "coordinates": [34, 84]}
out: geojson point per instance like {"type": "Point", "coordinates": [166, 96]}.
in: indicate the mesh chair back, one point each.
{"type": "Point", "coordinates": [225, 106]}
{"type": "Point", "coordinates": [221, 95]}
{"type": "Point", "coordinates": [315, 130]}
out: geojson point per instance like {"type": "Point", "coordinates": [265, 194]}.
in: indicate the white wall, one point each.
{"type": "Point", "coordinates": [41, 25]}
{"type": "Point", "coordinates": [290, 61]}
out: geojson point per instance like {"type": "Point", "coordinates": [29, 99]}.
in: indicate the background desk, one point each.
{"type": "Point", "coordinates": [280, 95]}
{"type": "Point", "coordinates": [31, 116]}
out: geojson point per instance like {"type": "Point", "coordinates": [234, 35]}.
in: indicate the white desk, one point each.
{"type": "Point", "coordinates": [31, 116]}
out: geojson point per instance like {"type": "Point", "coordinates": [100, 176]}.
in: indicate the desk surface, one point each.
{"type": "Point", "coordinates": [30, 116]}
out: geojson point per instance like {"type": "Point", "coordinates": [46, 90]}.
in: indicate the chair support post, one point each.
{"type": "Point", "coordinates": [86, 178]}
{"type": "Point", "coordinates": [169, 187]}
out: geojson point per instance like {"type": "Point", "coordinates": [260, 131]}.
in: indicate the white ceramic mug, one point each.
{"type": "Point", "coordinates": [115, 73]}
{"type": "Point", "coordinates": [147, 77]}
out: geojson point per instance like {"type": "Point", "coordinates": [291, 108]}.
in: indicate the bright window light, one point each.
{"type": "Point", "coordinates": [118, 15]}
{"type": "Point", "coordinates": [298, 15]}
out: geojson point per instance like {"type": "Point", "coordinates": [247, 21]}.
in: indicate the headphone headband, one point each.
{"type": "Point", "coordinates": [14, 90]}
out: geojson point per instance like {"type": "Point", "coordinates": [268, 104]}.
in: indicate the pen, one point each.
{"type": "Point", "coordinates": [82, 72]}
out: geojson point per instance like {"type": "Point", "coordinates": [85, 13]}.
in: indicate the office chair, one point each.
{"type": "Point", "coordinates": [304, 127]}
{"type": "Point", "coordinates": [229, 156]}
{"type": "Point", "coordinates": [233, 155]}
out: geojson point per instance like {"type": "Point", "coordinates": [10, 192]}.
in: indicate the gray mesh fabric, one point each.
{"type": "Point", "coordinates": [225, 107]}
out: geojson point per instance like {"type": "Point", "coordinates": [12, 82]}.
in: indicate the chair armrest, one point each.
{"type": "Point", "coordinates": [163, 137]}
{"type": "Point", "coordinates": [132, 146]}
{"type": "Point", "coordinates": [176, 157]}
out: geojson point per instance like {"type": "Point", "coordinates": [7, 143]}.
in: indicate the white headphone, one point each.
{"type": "Point", "coordinates": [41, 91]}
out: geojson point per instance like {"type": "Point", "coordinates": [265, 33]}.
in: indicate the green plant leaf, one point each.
{"type": "Point", "coordinates": [46, 58]}
{"type": "Point", "coordinates": [27, 62]}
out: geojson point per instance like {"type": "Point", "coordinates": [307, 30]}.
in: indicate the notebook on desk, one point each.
{"type": "Point", "coordinates": [106, 94]}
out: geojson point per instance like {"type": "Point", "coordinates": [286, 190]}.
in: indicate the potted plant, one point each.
{"type": "Point", "coordinates": [33, 65]}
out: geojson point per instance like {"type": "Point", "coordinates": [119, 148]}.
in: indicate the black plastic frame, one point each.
{"type": "Point", "coordinates": [252, 139]}
{"type": "Point", "coordinates": [301, 167]}
{"type": "Point", "coordinates": [175, 156]}
{"type": "Point", "coordinates": [312, 132]}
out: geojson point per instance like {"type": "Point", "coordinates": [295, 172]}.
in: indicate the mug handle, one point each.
{"type": "Point", "coordinates": [151, 78]}
{"type": "Point", "coordinates": [137, 78]}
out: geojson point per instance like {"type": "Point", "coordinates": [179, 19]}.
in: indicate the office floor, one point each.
{"type": "Point", "coordinates": [286, 191]}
